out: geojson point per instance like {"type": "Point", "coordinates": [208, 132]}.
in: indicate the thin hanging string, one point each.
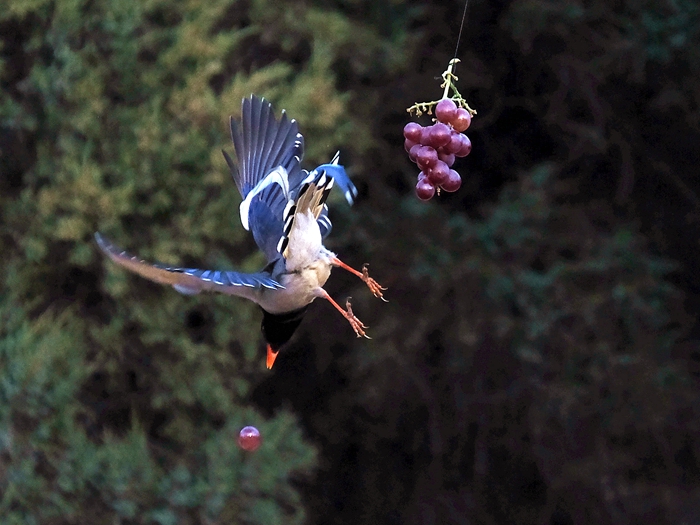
{"type": "Point", "coordinates": [461, 26]}
{"type": "Point", "coordinates": [453, 63]}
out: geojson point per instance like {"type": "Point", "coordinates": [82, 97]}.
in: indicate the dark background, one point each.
{"type": "Point", "coordinates": [538, 360]}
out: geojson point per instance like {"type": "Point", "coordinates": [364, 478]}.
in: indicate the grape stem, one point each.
{"type": "Point", "coordinates": [449, 79]}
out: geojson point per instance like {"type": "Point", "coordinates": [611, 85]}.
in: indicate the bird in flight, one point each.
{"type": "Point", "coordinates": [284, 206]}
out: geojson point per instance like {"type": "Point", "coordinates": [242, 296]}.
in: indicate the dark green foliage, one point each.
{"type": "Point", "coordinates": [535, 342]}
{"type": "Point", "coordinates": [125, 403]}
{"type": "Point", "coordinates": [537, 362]}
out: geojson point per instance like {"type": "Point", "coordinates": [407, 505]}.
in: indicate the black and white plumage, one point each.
{"type": "Point", "coordinates": [284, 207]}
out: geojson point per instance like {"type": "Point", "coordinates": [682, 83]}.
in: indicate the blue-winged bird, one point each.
{"type": "Point", "coordinates": [284, 206]}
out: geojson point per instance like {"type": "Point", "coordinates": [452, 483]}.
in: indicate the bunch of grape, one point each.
{"type": "Point", "coordinates": [434, 148]}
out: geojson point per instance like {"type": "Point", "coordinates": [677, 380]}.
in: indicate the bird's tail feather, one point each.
{"type": "Point", "coordinates": [311, 197]}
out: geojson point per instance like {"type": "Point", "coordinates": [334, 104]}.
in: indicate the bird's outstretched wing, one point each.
{"type": "Point", "coordinates": [189, 281]}
{"type": "Point", "coordinates": [263, 143]}
{"type": "Point", "coordinates": [268, 153]}
{"type": "Point", "coordinates": [268, 172]}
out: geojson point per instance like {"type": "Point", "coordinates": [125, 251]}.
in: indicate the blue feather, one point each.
{"type": "Point", "coordinates": [263, 144]}
{"type": "Point", "coordinates": [187, 281]}
{"type": "Point", "coordinates": [337, 172]}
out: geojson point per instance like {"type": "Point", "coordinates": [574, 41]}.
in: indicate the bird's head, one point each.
{"type": "Point", "coordinates": [278, 329]}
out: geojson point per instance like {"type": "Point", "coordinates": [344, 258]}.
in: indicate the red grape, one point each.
{"type": "Point", "coordinates": [438, 173]}
{"type": "Point", "coordinates": [413, 152]}
{"type": "Point", "coordinates": [408, 144]}
{"type": "Point", "coordinates": [412, 131]}
{"type": "Point", "coordinates": [466, 147]}
{"type": "Point", "coordinates": [453, 182]}
{"type": "Point", "coordinates": [445, 110]}
{"type": "Point", "coordinates": [425, 136]}
{"type": "Point", "coordinates": [426, 157]}
{"type": "Point", "coordinates": [439, 135]}
{"type": "Point", "coordinates": [249, 439]}
{"type": "Point", "coordinates": [425, 190]}
{"type": "Point", "coordinates": [461, 120]}
{"type": "Point", "coordinates": [454, 144]}
{"type": "Point", "coordinates": [447, 158]}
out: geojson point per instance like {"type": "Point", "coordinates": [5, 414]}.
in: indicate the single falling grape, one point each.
{"type": "Point", "coordinates": [249, 439]}
{"type": "Point", "coordinates": [424, 190]}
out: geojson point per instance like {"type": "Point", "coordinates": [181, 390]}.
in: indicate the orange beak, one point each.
{"type": "Point", "coordinates": [271, 356]}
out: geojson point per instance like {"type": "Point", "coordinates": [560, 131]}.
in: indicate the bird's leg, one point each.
{"type": "Point", "coordinates": [356, 324]}
{"type": "Point", "coordinates": [373, 285]}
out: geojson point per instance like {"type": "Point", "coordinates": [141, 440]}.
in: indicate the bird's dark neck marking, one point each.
{"type": "Point", "coordinates": [279, 328]}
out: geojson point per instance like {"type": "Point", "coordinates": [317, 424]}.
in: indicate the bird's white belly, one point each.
{"type": "Point", "coordinates": [300, 288]}
{"type": "Point", "coordinates": [307, 268]}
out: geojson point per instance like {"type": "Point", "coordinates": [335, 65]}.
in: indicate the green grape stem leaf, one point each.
{"type": "Point", "coordinates": [448, 83]}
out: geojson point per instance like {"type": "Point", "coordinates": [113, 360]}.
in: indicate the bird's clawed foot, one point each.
{"type": "Point", "coordinates": [356, 324]}
{"type": "Point", "coordinates": [373, 285]}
